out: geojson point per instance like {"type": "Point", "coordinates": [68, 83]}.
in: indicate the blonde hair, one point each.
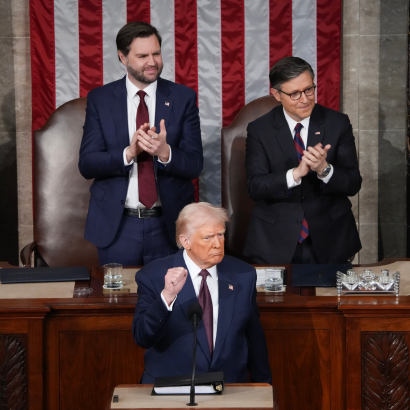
{"type": "Point", "coordinates": [195, 215]}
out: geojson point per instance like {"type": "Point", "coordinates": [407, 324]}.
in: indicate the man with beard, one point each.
{"type": "Point", "coordinates": [142, 146]}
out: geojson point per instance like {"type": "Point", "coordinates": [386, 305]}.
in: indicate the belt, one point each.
{"type": "Point", "coordinates": [144, 212]}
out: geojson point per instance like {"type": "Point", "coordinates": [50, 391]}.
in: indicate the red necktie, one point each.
{"type": "Point", "coordinates": [205, 301]}
{"type": "Point", "coordinates": [147, 189]}
{"type": "Point", "coordinates": [300, 147]}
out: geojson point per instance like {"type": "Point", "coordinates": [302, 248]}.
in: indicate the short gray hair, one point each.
{"type": "Point", "coordinates": [287, 69]}
{"type": "Point", "coordinates": [194, 215]}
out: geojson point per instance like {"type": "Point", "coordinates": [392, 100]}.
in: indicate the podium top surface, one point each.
{"type": "Point", "coordinates": [235, 396]}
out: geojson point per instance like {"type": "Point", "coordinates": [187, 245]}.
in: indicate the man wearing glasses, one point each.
{"type": "Point", "coordinates": [301, 166]}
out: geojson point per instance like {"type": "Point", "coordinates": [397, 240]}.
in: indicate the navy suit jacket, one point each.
{"type": "Point", "coordinates": [101, 155]}
{"type": "Point", "coordinates": [278, 212]}
{"type": "Point", "coordinates": [240, 345]}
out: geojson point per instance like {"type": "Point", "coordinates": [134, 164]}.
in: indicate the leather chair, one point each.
{"type": "Point", "coordinates": [235, 196]}
{"type": "Point", "coordinates": [60, 193]}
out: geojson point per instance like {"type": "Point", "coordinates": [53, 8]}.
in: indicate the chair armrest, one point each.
{"type": "Point", "coordinates": [26, 252]}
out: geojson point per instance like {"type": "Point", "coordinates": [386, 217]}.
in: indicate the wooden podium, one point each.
{"type": "Point", "coordinates": [235, 396]}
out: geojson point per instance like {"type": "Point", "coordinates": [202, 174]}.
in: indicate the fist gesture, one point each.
{"type": "Point", "coordinates": [174, 281]}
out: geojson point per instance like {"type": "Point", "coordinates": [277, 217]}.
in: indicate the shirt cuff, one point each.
{"type": "Point", "coordinates": [290, 181]}
{"type": "Point", "coordinates": [170, 156]}
{"type": "Point", "coordinates": [329, 175]}
{"type": "Point", "coordinates": [166, 304]}
{"type": "Point", "coordinates": [125, 158]}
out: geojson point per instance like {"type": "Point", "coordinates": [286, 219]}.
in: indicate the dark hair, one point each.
{"type": "Point", "coordinates": [288, 68]}
{"type": "Point", "coordinates": [133, 30]}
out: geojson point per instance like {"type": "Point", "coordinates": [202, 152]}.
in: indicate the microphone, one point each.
{"type": "Point", "coordinates": [195, 314]}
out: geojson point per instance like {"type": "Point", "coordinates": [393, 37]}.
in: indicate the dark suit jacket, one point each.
{"type": "Point", "coordinates": [278, 213]}
{"type": "Point", "coordinates": [101, 155]}
{"type": "Point", "coordinates": [168, 336]}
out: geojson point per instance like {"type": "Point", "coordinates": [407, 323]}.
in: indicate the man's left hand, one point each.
{"type": "Point", "coordinates": [153, 143]}
{"type": "Point", "coordinates": [316, 157]}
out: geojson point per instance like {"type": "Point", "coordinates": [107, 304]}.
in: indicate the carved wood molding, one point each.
{"type": "Point", "coordinates": [385, 372]}
{"type": "Point", "coordinates": [13, 373]}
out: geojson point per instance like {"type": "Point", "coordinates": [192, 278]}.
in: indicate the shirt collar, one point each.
{"type": "Point", "coordinates": [151, 89]}
{"type": "Point", "coordinates": [194, 269]}
{"type": "Point", "coordinates": [292, 123]}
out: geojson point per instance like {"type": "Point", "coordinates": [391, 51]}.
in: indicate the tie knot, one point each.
{"type": "Point", "coordinates": [141, 94]}
{"type": "Point", "coordinates": [298, 127]}
{"type": "Point", "coordinates": [204, 273]}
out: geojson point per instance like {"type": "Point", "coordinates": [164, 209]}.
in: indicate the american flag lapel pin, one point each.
{"type": "Point", "coordinates": [230, 287]}
{"type": "Point", "coordinates": [167, 103]}
{"type": "Point", "coordinates": [317, 133]}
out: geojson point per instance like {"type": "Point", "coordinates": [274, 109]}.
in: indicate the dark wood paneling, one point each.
{"type": "Point", "coordinates": [93, 362]}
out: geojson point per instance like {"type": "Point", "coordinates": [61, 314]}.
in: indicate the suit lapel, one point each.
{"type": "Point", "coordinates": [226, 287]}
{"type": "Point", "coordinates": [316, 131]}
{"type": "Point", "coordinates": [163, 107]}
{"type": "Point", "coordinates": [119, 111]}
{"type": "Point", "coordinates": [187, 296]}
{"type": "Point", "coordinates": [285, 138]}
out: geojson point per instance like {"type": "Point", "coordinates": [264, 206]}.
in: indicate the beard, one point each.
{"type": "Point", "coordinates": [140, 76]}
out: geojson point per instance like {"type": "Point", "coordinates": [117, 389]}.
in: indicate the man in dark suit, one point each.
{"type": "Point", "coordinates": [230, 336]}
{"type": "Point", "coordinates": [142, 174]}
{"type": "Point", "coordinates": [301, 166]}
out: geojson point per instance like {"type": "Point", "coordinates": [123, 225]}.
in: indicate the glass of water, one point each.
{"type": "Point", "coordinates": [274, 279]}
{"type": "Point", "coordinates": [112, 276]}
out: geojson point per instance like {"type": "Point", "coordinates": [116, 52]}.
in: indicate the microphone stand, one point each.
{"type": "Point", "coordinates": [192, 391]}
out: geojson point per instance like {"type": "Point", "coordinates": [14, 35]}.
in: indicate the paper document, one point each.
{"type": "Point", "coordinates": [203, 389]}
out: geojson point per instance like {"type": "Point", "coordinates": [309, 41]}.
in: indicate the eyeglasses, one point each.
{"type": "Point", "coordinates": [297, 94]}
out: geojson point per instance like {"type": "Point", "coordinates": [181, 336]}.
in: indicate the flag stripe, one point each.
{"type": "Point", "coordinates": [138, 10]}
{"type": "Point", "coordinates": [256, 49]}
{"type": "Point", "coordinates": [304, 31]}
{"type": "Point", "coordinates": [90, 40]}
{"type": "Point", "coordinates": [233, 59]}
{"type": "Point", "coordinates": [186, 54]}
{"type": "Point", "coordinates": [162, 16]}
{"type": "Point", "coordinates": [42, 61]}
{"type": "Point", "coordinates": [114, 17]}
{"type": "Point", "coordinates": [210, 99]}
{"type": "Point", "coordinates": [328, 49]}
{"type": "Point", "coordinates": [280, 30]}
{"type": "Point", "coordinates": [66, 51]}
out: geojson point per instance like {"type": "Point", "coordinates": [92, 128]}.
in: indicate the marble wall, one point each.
{"type": "Point", "coordinates": [373, 88]}
{"type": "Point", "coordinates": [374, 68]}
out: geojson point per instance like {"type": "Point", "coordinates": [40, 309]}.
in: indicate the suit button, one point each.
{"type": "Point", "coordinates": [303, 198]}
{"type": "Point", "coordinates": [299, 221]}
{"type": "Point", "coordinates": [122, 202]}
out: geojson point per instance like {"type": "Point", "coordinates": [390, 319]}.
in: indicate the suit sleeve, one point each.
{"type": "Point", "coordinates": [150, 318]}
{"type": "Point", "coordinates": [258, 359]}
{"type": "Point", "coordinates": [263, 183]}
{"type": "Point", "coordinates": [346, 177]}
{"type": "Point", "coordinates": [96, 159]}
{"type": "Point", "coordinates": [187, 157]}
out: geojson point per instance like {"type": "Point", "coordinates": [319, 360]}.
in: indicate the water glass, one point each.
{"type": "Point", "coordinates": [274, 279]}
{"type": "Point", "coordinates": [112, 276]}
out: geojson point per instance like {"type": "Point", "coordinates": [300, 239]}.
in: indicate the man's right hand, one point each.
{"type": "Point", "coordinates": [174, 281]}
{"type": "Point", "coordinates": [134, 149]}
{"type": "Point", "coordinates": [301, 170]}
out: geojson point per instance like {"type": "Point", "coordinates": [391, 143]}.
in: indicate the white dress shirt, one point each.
{"type": "Point", "coordinates": [304, 135]}
{"type": "Point", "coordinates": [211, 281]}
{"type": "Point", "coordinates": [133, 101]}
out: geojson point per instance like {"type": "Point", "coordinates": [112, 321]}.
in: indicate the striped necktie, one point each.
{"type": "Point", "coordinates": [300, 147]}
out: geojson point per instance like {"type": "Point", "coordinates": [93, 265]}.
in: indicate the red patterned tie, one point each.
{"type": "Point", "coordinates": [205, 301]}
{"type": "Point", "coordinates": [147, 189]}
{"type": "Point", "coordinates": [300, 147]}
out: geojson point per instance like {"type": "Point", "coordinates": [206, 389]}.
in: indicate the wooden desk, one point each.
{"type": "Point", "coordinates": [235, 397]}
{"type": "Point", "coordinates": [70, 353]}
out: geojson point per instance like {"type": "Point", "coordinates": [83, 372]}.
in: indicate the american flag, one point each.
{"type": "Point", "coordinates": [223, 49]}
